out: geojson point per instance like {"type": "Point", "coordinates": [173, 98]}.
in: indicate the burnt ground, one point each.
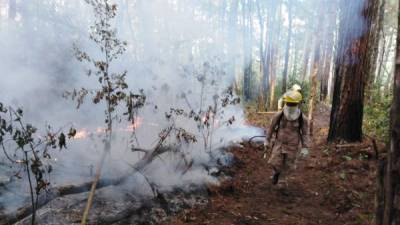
{"type": "Point", "coordinates": [334, 185]}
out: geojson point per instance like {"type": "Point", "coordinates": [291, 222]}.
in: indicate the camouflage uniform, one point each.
{"type": "Point", "coordinates": [287, 143]}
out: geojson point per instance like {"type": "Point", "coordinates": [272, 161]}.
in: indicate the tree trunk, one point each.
{"type": "Point", "coordinates": [289, 39]}
{"type": "Point", "coordinates": [247, 47]}
{"type": "Point", "coordinates": [382, 37]}
{"type": "Point", "coordinates": [353, 65]}
{"type": "Point", "coordinates": [329, 42]}
{"type": "Point", "coordinates": [389, 82]}
{"type": "Point", "coordinates": [332, 76]}
{"type": "Point", "coordinates": [391, 192]}
{"type": "Point", "coordinates": [307, 54]}
{"type": "Point", "coordinates": [293, 73]}
{"type": "Point", "coordinates": [232, 42]}
{"type": "Point", "coordinates": [274, 52]}
{"type": "Point", "coordinates": [377, 30]}
{"type": "Point", "coordinates": [386, 52]}
{"type": "Point", "coordinates": [314, 74]}
{"type": "Point", "coordinates": [263, 87]}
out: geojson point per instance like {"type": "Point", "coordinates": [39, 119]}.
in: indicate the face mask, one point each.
{"type": "Point", "coordinates": [291, 112]}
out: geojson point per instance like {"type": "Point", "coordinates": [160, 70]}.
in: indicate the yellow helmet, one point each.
{"type": "Point", "coordinates": [293, 97]}
{"type": "Point", "coordinates": [296, 87]}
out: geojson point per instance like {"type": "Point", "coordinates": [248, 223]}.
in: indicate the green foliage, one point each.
{"type": "Point", "coordinates": [25, 148]}
{"type": "Point", "coordinates": [376, 116]}
{"type": "Point", "coordinates": [205, 117]}
{"type": "Point", "coordinates": [112, 87]}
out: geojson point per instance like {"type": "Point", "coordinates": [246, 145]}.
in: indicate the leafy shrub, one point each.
{"type": "Point", "coordinates": [376, 116]}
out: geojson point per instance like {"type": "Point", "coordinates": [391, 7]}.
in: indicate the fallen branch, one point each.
{"type": "Point", "coordinates": [55, 192]}
{"type": "Point", "coordinates": [267, 113]}
{"type": "Point", "coordinates": [352, 145]}
{"type": "Point", "coordinates": [52, 194]}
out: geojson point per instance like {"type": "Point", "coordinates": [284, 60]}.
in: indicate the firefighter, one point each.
{"type": "Point", "coordinates": [295, 87]}
{"type": "Point", "coordinates": [287, 135]}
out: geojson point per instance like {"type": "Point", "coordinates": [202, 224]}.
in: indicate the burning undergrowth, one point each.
{"type": "Point", "coordinates": [151, 151]}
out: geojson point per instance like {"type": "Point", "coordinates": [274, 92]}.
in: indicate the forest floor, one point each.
{"type": "Point", "coordinates": [334, 185]}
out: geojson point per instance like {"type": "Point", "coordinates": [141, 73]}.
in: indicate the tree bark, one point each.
{"type": "Point", "coordinates": [353, 65]}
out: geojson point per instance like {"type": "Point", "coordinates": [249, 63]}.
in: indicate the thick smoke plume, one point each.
{"type": "Point", "coordinates": [174, 55]}
{"type": "Point", "coordinates": [177, 54]}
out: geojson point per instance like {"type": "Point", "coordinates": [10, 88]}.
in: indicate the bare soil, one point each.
{"type": "Point", "coordinates": [334, 185]}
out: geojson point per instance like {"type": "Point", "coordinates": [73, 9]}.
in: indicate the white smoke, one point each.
{"type": "Point", "coordinates": [171, 46]}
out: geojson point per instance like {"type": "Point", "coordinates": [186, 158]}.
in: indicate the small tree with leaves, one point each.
{"type": "Point", "coordinates": [31, 151]}
{"type": "Point", "coordinates": [112, 89]}
{"type": "Point", "coordinates": [208, 109]}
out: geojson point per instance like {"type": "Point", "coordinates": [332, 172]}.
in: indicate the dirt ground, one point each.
{"type": "Point", "coordinates": [335, 185]}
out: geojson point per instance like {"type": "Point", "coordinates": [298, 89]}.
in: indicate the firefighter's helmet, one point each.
{"type": "Point", "coordinates": [293, 97]}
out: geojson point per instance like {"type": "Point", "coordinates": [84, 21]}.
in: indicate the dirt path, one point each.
{"type": "Point", "coordinates": [335, 185]}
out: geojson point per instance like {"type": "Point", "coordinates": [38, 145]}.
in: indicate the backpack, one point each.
{"type": "Point", "coordinates": [300, 130]}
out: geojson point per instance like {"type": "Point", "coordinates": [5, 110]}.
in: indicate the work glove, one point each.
{"type": "Point", "coordinates": [304, 152]}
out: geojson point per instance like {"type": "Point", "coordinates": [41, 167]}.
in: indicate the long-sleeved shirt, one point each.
{"type": "Point", "coordinates": [288, 136]}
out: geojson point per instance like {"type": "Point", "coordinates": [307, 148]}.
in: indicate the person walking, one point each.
{"type": "Point", "coordinates": [287, 135]}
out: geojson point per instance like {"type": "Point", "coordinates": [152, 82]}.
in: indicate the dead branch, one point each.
{"type": "Point", "coordinates": [52, 194]}
{"type": "Point", "coordinates": [55, 192]}
{"type": "Point", "coordinates": [351, 145]}
{"type": "Point", "coordinates": [267, 113]}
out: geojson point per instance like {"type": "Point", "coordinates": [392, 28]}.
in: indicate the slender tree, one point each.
{"type": "Point", "coordinates": [247, 48]}
{"type": "Point", "coordinates": [232, 38]}
{"type": "Point", "coordinates": [263, 88]}
{"type": "Point", "coordinates": [377, 35]}
{"type": "Point", "coordinates": [315, 70]}
{"type": "Point", "coordinates": [112, 89]}
{"type": "Point", "coordinates": [289, 39]}
{"type": "Point", "coordinates": [269, 51]}
{"type": "Point", "coordinates": [274, 36]}
{"type": "Point", "coordinates": [307, 54]}
{"type": "Point", "coordinates": [328, 51]}
{"type": "Point", "coordinates": [353, 65]}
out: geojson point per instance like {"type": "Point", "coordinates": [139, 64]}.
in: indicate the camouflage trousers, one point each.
{"type": "Point", "coordinates": [283, 158]}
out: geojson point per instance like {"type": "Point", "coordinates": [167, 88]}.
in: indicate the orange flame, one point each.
{"type": "Point", "coordinates": [133, 126]}
{"type": "Point", "coordinates": [84, 133]}
{"type": "Point", "coordinates": [81, 134]}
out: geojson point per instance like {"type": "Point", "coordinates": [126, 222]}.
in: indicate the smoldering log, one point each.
{"type": "Point", "coordinates": [52, 194]}
{"type": "Point", "coordinates": [55, 192]}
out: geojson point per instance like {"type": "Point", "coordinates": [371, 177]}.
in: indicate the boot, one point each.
{"type": "Point", "coordinates": [275, 177]}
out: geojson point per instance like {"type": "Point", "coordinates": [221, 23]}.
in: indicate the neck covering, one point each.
{"type": "Point", "coordinates": [291, 112]}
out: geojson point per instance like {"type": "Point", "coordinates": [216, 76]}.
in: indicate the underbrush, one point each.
{"type": "Point", "coordinates": [376, 121]}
